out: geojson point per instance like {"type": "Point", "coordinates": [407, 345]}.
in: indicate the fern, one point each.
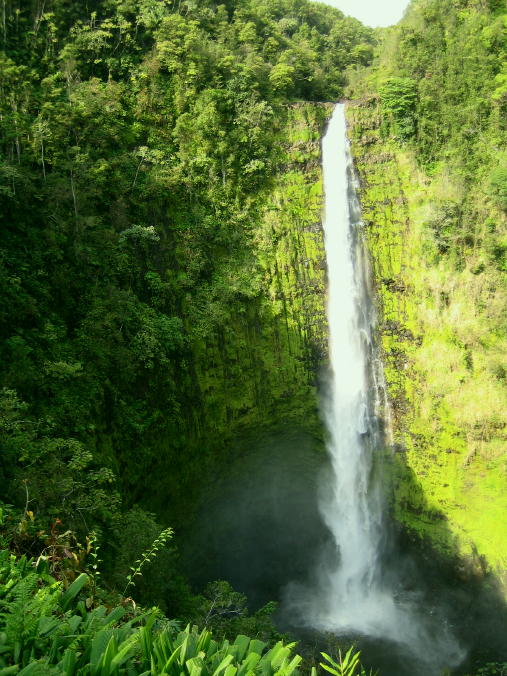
{"type": "Point", "coordinates": [147, 556]}
{"type": "Point", "coordinates": [19, 615]}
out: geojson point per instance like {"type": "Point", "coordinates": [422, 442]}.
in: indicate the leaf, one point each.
{"type": "Point", "coordinates": [183, 650]}
{"type": "Point", "coordinates": [47, 625]}
{"type": "Point", "coordinates": [194, 666]}
{"type": "Point", "coordinates": [99, 643]}
{"type": "Point", "coordinates": [105, 667]}
{"type": "Point", "coordinates": [333, 669]}
{"type": "Point", "coordinates": [73, 590]}
{"type": "Point", "coordinates": [124, 651]}
{"type": "Point", "coordinates": [115, 615]}
{"type": "Point", "coordinates": [277, 654]}
{"type": "Point", "coordinates": [172, 659]}
{"type": "Point", "coordinates": [242, 643]}
{"type": "Point", "coordinates": [74, 623]}
{"type": "Point", "coordinates": [330, 669]}
{"type": "Point", "coordinates": [68, 663]}
{"type": "Point", "coordinates": [35, 669]}
{"type": "Point", "coordinates": [249, 664]}
{"type": "Point", "coordinates": [204, 641]}
{"type": "Point", "coordinates": [223, 665]}
{"type": "Point", "coordinates": [257, 646]}
{"type": "Point", "coordinates": [293, 665]}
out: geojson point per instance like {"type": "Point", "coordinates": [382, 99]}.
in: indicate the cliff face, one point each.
{"type": "Point", "coordinates": [260, 367]}
{"type": "Point", "coordinates": [442, 336]}
{"type": "Point", "coordinates": [255, 371]}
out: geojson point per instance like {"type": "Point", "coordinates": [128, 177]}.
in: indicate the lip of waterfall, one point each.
{"type": "Point", "coordinates": [349, 596]}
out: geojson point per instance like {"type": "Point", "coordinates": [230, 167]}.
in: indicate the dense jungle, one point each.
{"type": "Point", "coordinates": [164, 337]}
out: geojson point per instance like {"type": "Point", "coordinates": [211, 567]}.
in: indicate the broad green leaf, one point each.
{"type": "Point", "coordinates": [99, 644]}
{"type": "Point", "coordinates": [124, 651]}
{"type": "Point", "coordinates": [257, 646]}
{"type": "Point", "coordinates": [35, 669]}
{"type": "Point", "coordinates": [8, 671]}
{"type": "Point", "coordinates": [194, 666]}
{"type": "Point", "coordinates": [183, 649]}
{"type": "Point", "coordinates": [331, 670]}
{"type": "Point", "coordinates": [293, 665]}
{"type": "Point", "coordinates": [73, 590]}
{"type": "Point", "coordinates": [223, 665]}
{"type": "Point", "coordinates": [68, 663]}
{"type": "Point", "coordinates": [47, 625]}
{"type": "Point", "coordinates": [172, 660]}
{"type": "Point", "coordinates": [249, 664]}
{"type": "Point", "coordinates": [105, 667]}
{"type": "Point", "coordinates": [204, 640]}
{"type": "Point", "coordinates": [115, 615]}
{"type": "Point", "coordinates": [242, 643]}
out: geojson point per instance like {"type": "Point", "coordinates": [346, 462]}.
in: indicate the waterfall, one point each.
{"type": "Point", "coordinates": [353, 509]}
{"type": "Point", "coordinates": [352, 595]}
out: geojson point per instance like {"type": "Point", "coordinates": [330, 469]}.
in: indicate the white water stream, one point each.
{"type": "Point", "coordinates": [353, 510]}
{"type": "Point", "coordinates": [351, 595]}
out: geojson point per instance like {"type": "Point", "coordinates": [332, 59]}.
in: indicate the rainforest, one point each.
{"type": "Point", "coordinates": [253, 339]}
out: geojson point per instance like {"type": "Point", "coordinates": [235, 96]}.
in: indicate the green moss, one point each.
{"type": "Point", "coordinates": [440, 324]}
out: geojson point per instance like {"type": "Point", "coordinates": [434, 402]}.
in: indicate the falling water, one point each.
{"type": "Point", "coordinates": [351, 595]}
{"type": "Point", "coordinates": [353, 511]}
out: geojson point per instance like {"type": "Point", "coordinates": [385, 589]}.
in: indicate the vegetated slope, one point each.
{"type": "Point", "coordinates": [152, 197]}
{"type": "Point", "coordinates": [430, 145]}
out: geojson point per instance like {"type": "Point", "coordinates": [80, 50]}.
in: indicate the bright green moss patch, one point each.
{"type": "Point", "coordinates": [442, 329]}
{"type": "Point", "coordinates": [259, 370]}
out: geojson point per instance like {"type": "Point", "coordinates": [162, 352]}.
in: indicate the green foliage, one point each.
{"type": "Point", "coordinates": [35, 612]}
{"type": "Point", "coordinates": [48, 474]}
{"type": "Point", "coordinates": [436, 225]}
{"type": "Point", "coordinates": [498, 184]}
{"type": "Point", "coordinates": [45, 630]}
{"type": "Point", "coordinates": [460, 50]}
{"type": "Point", "coordinates": [147, 556]}
{"type": "Point", "coordinates": [224, 611]}
{"type": "Point", "coordinates": [492, 669]}
{"type": "Point", "coordinates": [140, 327]}
{"type": "Point", "coordinates": [159, 296]}
{"type": "Point", "coordinates": [347, 665]}
{"type": "Point", "coordinates": [282, 76]}
{"type": "Point", "coordinates": [398, 96]}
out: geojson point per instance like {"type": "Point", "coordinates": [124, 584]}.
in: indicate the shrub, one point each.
{"type": "Point", "coordinates": [398, 97]}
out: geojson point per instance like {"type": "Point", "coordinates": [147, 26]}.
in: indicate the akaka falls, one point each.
{"type": "Point", "coordinates": [352, 595]}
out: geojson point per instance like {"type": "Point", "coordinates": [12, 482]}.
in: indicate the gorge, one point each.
{"type": "Point", "coordinates": [165, 395]}
{"type": "Point", "coordinates": [353, 595]}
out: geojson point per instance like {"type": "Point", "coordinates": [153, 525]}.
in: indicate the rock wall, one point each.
{"type": "Point", "coordinates": [256, 373]}
{"type": "Point", "coordinates": [440, 333]}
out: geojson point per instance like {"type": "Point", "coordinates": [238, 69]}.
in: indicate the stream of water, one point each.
{"type": "Point", "coordinates": [353, 595]}
{"type": "Point", "coordinates": [353, 508]}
